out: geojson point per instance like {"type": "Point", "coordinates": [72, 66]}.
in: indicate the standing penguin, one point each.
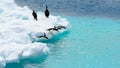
{"type": "Point", "coordinates": [34, 15]}
{"type": "Point", "coordinates": [47, 12]}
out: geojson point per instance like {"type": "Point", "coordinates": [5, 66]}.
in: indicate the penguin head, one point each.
{"type": "Point", "coordinates": [33, 10]}
{"type": "Point", "coordinates": [46, 7]}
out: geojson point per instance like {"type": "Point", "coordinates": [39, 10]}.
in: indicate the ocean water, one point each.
{"type": "Point", "coordinates": [91, 43]}
{"type": "Point", "coordinates": [107, 8]}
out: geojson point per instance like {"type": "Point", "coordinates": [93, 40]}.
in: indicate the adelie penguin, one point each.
{"type": "Point", "coordinates": [47, 13]}
{"type": "Point", "coordinates": [43, 36]}
{"type": "Point", "coordinates": [55, 29]}
{"type": "Point", "coordinates": [34, 15]}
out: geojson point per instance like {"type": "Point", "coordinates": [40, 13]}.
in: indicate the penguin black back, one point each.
{"type": "Point", "coordinates": [34, 15]}
{"type": "Point", "coordinates": [43, 36]}
{"type": "Point", "coordinates": [47, 12]}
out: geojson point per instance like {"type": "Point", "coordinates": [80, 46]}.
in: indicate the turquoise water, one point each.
{"type": "Point", "coordinates": [91, 43]}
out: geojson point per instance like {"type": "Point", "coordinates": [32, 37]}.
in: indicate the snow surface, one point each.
{"type": "Point", "coordinates": [18, 30]}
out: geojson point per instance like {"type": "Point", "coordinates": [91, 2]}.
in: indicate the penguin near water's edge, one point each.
{"type": "Point", "coordinates": [43, 36]}
{"type": "Point", "coordinates": [34, 15]}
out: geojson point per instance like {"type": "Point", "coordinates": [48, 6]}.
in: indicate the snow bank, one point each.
{"type": "Point", "coordinates": [18, 30]}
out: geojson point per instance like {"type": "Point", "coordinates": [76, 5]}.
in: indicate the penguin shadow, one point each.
{"type": "Point", "coordinates": [31, 61]}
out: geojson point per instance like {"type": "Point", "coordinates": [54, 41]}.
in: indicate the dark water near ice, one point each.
{"type": "Point", "coordinates": [93, 41]}
{"type": "Point", "coordinates": [108, 8]}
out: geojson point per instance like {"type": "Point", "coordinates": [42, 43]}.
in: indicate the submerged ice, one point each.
{"type": "Point", "coordinates": [18, 30]}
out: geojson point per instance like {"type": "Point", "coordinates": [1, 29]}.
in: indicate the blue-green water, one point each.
{"type": "Point", "coordinates": [91, 43]}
